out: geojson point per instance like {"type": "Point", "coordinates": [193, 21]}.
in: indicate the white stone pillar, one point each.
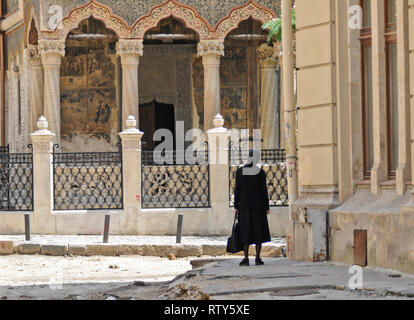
{"type": "Point", "coordinates": [130, 52]}
{"type": "Point", "coordinates": [379, 172]}
{"type": "Point", "coordinates": [13, 108]}
{"type": "Point", "coordinates": [267, 56]}
{"type": "Point", "coordinates": [43, 221]}
{"type": "Point", "coordinates": [131, 158]}
{"type": "Point", "coordinates": [404, 153]}
{"type": "Point", "coordinates": [52, 52]}
{"type": "Point", "coordinates": [211, 51]}
{"type": "Point", "coordinates": [36, 86]}
{"type": "Point", "coordinates": [289, 99]}
{"type": "Point", "coordinates": [218, 143]}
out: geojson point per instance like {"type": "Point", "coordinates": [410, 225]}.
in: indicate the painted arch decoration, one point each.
{"type": "Point", "coordinates": [172, 8]}
{"type": "Point", "coordinates": [186, 13]}
{"type": "Point", "coordinates": [241, 13]}
{"type": "Point", "coordinates": [96, 10]}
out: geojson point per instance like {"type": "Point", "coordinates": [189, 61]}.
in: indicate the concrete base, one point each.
{"type": "Point", "coordinates": [388, 223]}
{"type": "Point", "coordinates": [159, 250]}
{"type": "Point", "coordinates": [156, 222]}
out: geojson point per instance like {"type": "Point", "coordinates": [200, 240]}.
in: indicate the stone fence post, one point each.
{"type": "Point", "coordinates": [131, 157]}
{"type": "Point", "coordinates": [218, 144]}
{"type": "Point", "coordinates": [43, 221]}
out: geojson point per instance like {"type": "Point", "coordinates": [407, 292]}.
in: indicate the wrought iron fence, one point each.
{"type": "Point", "coordinates": [87, 181]}
{"type": "Point", "coordinates": [16, 181]}
{"type": "Point", "coordinates": [175, 185]}
{"type": "Point", "coordinates": [273, 163]}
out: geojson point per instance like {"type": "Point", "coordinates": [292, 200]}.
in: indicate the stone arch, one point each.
{"type": "Point", "coordinates": [241, 13]}
{"type": "Point", "coordinates": [92, 9]}
{"type": "Point", "coordinates": [188, 15]}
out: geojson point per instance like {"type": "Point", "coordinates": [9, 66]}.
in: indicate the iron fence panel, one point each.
{"type": "Point", "coordinates": [88, 181]}
{"type": "Point", "coordinates": [172, 185]}
{"type": "Point", "coordinates": [16, 181]}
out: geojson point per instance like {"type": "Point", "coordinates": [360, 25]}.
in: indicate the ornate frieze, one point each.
{"type": "Point", "coordinates": [190, 16]}
{"type": "Point", "coordinates": [211, 19]}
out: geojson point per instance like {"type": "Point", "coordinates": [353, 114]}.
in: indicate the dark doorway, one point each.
{"type": "Point", "coordinates": [152, 117]}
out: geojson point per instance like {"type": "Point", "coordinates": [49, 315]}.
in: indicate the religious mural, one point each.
{"type": "Point", "coordinates": [88, 88]}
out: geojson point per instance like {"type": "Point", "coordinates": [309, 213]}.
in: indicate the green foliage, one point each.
{"type": "Point", "coordinates": [275, 28]}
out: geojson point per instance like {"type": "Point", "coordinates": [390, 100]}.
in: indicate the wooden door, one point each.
{"type": "Point", "coordinates": [360, 248]}
{"type": "Point", "coordinates": [147, 125]}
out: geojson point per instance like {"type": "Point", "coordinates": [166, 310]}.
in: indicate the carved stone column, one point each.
{"type": "Point", "coordinates": [36, 86]}
{"type": "Point", "coordinates": [131, 157]}
{"type": "Point", "coordinates": [52, 52]}
{"type": "Point", "coordinates": [130, 52]}
{"type": "Point", "coordinates": [267, 57]}
{"type": "Point", "coordinates": [13, 108]}
{"type": "Point", "coordinates": [218, 144]}
{"type": "Point", "coordinates": [43, 221]}
{"type": "Point", "coordinates": [211, 51]}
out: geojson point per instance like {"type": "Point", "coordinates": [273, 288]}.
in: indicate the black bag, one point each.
{"type": "Point", "coordinates": [234, 244]}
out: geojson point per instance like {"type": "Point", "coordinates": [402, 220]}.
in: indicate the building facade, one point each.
{"type": "Point", "coordinates": [355, 133]}
{"type": "Point", "coordinates": [87, 66]}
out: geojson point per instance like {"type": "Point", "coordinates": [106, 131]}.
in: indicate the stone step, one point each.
{"type": "Point", "coordinates": [155, 250]}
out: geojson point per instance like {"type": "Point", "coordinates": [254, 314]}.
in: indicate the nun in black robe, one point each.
{"type": "Point", "coordinates": [252, 204]}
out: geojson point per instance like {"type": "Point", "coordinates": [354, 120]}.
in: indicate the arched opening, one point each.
{"type": "Point", "coordinates": [165, 86]}
{"type": "Point", "coordinates": [90, 98]}
{"type": "Point", "coordinates": [33, 37]}
{"type": "Point", "coordinates": [241, 81]}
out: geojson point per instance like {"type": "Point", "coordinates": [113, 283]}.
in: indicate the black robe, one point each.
{"type": "Point", "coordinates": [251, 199]}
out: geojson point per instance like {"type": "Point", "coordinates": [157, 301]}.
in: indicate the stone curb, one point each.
{"type": "Point", "coordinates": [101, 249]}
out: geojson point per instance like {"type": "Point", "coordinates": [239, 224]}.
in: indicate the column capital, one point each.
{"type": "Point", "coordinates": [211, 48]}
{"type": "Point", "coordinates": [34, 56]}
{"type": "Point", "coordinates": [51, 51]}
{"type": "Point", "coordinates": [268, 56]}
{"type": "Point", "coordinates": [129, 50]}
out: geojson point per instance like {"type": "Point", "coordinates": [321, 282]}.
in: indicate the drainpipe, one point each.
{"type": "Point", "coordinates": [289, 99]}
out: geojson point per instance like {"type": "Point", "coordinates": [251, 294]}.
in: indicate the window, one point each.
{"type": "Point", "coordinates": [367, 105]}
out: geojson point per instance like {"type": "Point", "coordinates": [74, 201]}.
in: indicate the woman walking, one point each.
{"type": "Point", "coordinates": [252, 205]}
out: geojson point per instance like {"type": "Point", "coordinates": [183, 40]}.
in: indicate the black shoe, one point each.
{"type": "Point", "coordinates": [245, 263]}
{"type": "Point", "coordinates": [259, 262]}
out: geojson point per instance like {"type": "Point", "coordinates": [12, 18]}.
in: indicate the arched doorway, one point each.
{"type": "Point", "coordinates": [89, 95]}
{"type": "Point", "coordinates": [165, 80]}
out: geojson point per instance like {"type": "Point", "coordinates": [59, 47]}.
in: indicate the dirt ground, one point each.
{"type": "Point", "coordinates": [19, 270]}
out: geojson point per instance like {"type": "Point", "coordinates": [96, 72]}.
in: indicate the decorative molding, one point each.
{"type": "Point", "coordinates": [239, 14]}
{"type": "Point", "coordinates": [99, 12]}
{"type": "Point", "coordinates": [268, 56]}
{"type": "Point", "coordinates": [42, 147]}
{"type": "Point", "coordinates": [172, 8]}
{"type": "Point", "coordinates": [47, 47]}
{"type": "Point", "coordinates": [187, 13]}
{"type": "Point", "coordinates": [129, 47]}
{"type": "Point", "coordinates": [210, 47]}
